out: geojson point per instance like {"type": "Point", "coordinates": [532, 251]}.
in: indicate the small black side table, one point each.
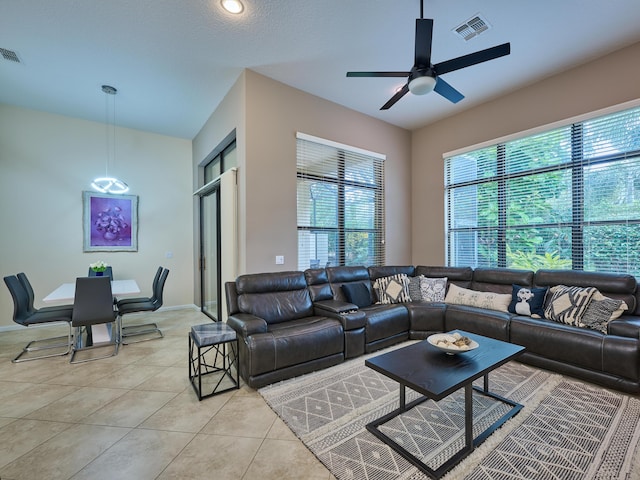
{"type": "Point", "coordinates": [222, 342]}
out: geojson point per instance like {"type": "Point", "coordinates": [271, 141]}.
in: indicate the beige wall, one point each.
{"type": "Point", "coordinates": [275, 112]}
{"type": "Point", "coordinates": [608, 81]}
{"type": "Point", "coordinates": [229, 116]}
{"type": "Point", "coordinates": [267, 114]}
{"type": "Point", "coordinates": [46, 161]}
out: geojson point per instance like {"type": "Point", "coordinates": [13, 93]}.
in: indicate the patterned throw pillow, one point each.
{"type": "Point", "coordinates": [392, 289]}
{"type": "Point", "coordinates": [489, 300]}
{"type": "Point", "coordinates": [528, 301]}
{"type": "Point", "coordinates": [433, 289]}
{"type": "Point", "coordinates": [568, 304]}
{"type": "Point", "coordinates": [414, 288]}
{"type": "Point", "coordinates": [601, 311]}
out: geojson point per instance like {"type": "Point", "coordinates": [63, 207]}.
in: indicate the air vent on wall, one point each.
{"type": "Point", "coordinates": [9, 55]}
{"type": "Point", "coordinates": [472, 27]}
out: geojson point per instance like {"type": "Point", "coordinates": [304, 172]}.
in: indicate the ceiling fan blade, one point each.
{"type": "Point", "coordinates": [401, 93]}
{"type": "Point", "coordinates": [377, 74]}
{"type": "Point", "coordinates": [472, 59]}
{"type": "Point", "coordinates": [424, 34]}
{"type": "Point", "coordinates": [447, 91]}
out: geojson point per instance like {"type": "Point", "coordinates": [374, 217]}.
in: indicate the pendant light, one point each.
{"type": "Point", "coordinates": [109, 184]}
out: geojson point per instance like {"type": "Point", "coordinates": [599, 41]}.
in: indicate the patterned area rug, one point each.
{"type": "Point", "coordinates": [566, 430]}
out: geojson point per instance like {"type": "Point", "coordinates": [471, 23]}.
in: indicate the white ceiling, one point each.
{"type": "Point", "coordinates": [173, 61]}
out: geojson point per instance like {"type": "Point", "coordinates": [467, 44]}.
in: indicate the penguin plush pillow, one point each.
{"type": "Point", "coordinates": [528, 301]}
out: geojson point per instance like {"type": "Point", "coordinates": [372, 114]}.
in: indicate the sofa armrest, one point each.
{"type": "Point", "coordinates": [246, 324]}
{"type": "Point", "coordinates": [347, 313]}
{"type": "Point", "coordinates": [325, 307]}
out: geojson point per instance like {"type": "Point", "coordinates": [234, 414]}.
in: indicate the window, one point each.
{"type": "Point", "coordinates": [220, 163]}
{"type": "Point", "coordinates": [340, 204]}
{"type": "Point", "coordinates": [565, 198]}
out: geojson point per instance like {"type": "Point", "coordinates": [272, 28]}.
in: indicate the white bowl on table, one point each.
{"type": "Point", "coordinates": [444, 342]}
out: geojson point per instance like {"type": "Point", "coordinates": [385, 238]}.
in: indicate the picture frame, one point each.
{"type": "Point", "coordinates": [110, 222]}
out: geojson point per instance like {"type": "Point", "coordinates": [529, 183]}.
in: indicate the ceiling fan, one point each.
{"type": "Point", "coordinates": [424, 76]}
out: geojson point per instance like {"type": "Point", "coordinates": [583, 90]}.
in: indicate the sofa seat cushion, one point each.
{"type": "Point", "coordinates": [294, 342]}
{"type": "Point", "coordinates": [625, 326]}
{"type": "Point", "coordinates": [558, 341]}
{"type": "Point", "coordinates": [385, 321]}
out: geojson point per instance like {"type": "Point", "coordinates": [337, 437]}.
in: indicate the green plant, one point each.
{"type": "Point", "coordinates": [534, 261]}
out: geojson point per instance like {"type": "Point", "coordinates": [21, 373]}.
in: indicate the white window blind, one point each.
{"type": "Point", "coordinates": [340, 202]}
{"type": "Point", "coordinates": [565, 198]}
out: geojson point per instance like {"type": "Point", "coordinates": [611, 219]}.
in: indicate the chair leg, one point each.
{"type": "Point", "coordinates": [35, 348]}
{"type": "Point", "coordinates": [140, 330]}
{"type": "Point", "coordinates": [77, 346]}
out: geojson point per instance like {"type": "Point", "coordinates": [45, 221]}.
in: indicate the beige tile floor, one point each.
{"type": "Point", "coordinates": [135, 416]}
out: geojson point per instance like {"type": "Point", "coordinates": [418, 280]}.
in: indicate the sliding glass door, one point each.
{"type": "Point", "coordinates": [211, 234]}
{"type": "Point", "coordinates": [210, 252]}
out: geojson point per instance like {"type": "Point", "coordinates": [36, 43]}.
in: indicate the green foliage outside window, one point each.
{"type": "Point", "coordinates": [567, 198]}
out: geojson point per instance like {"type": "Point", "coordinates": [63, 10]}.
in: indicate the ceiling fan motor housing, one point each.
{"type": "Point", "coordinates": [422, 80]}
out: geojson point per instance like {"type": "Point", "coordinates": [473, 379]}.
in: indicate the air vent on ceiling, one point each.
{"type": "Point", "coordinates": [472, 27]}
{"type": "Point", "coordinates": [9, 55]}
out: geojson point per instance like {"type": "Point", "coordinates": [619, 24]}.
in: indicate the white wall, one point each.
{"type": "Point", "coordinates": [46, 161]}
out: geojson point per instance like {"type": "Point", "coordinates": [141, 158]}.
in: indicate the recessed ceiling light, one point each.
{"type": "Point", "coordinates": [232, 6]}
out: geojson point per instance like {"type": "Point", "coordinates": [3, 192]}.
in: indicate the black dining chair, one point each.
{"type": "Point", "coordinates": [93, 305]}
{"type": "Point", "coordinates": [27, 316]}
{"type": "Point", "coordinates": [154, 285]}
{"type": "Point", "coordinates": [26, 284]}
{"type": "Point", "coordinates": [150, 331]}
{"type": "Point", "coordinates": [107, 273]}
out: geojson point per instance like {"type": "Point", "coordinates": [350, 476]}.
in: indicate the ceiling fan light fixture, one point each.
{"type": "Point", "coordinates": [232, 6]}
{"type": "Point", "coordinates": [422, 85]}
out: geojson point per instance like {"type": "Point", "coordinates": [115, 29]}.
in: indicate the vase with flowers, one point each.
{"type": "Point", "coordinates": [98, 267]}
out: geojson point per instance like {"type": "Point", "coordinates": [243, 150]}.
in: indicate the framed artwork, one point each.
{"type": "Point", "coordinates": [110, 222]}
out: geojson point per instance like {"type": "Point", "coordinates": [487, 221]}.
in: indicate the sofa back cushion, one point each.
{"type": "Point", "coordinates": [318, 283]}
{"type": "Point", "coordinates": [388, 271]}
{"type": "Point", "coordinates": [500, 280]}
{"type": "Point", "coordinates": [339, 276]}
{"type": "Point", "coordinates": [276, 297]}
{"type": "Point", "coordinates": [357, 293]}
{"type": "Point", "coordinates": [461, 276]}
{"type": "Point", "coordinates": [614, 285]}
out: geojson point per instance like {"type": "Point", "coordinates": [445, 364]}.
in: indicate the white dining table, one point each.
{"type": "Point", "coordinates": [67, 291]}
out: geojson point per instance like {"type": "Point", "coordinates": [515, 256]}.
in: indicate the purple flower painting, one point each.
{"type": "Point", "coordinates": [110, 222]}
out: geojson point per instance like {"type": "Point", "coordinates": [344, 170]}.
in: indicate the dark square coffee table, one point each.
{"type": "Point", "coordinates": [432, 373]}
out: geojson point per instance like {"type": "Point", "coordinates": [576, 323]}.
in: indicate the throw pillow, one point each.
{"type": "Point", "coordinates": [473, 298]}
{"type": "Point", "coordinates": [357, 293]}
{"type": "Point", "coordinates": [568, 304]}
{"type": "Point", "coordinates": [392, 289]}
{"type": "Point", "coordinates": [433, 289]}
{"type": "Point", "coordinates": [414, 288]}
{"type": "Point", "coordinates": [601, 311]}
{"type": "Point", "coordinates": [528, 301]}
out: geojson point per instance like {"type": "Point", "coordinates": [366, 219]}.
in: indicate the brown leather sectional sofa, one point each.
{"type": "Point", "coordinates": [291, 323]}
